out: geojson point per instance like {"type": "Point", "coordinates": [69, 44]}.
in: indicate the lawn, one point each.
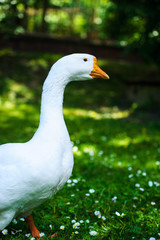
{"type": "Point", "coordinates": [114, 190]}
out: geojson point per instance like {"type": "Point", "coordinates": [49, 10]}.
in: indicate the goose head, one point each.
{"type": "Point", "coordinates": [77, 66]}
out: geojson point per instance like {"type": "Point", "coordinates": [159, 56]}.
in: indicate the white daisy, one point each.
{"type": "Point", "coordinates": [69, 181]}
{"type": "Point", "coordinates": [91, 190]}
{"type": "Point", "coordinates": [157, 184]}
{"type": "Point", "coordinates": [137, 185]}
{"type": "Point", "coordinates": [97, 213]}
{"type": "Point", "coordinates": [27, 234]}
{"type": "Point", "coordinates": [42, 234]}
{"type": "Point", "coordinates": [87, 194]}
{"type": "Point", "coordinates": [150, 183]}
{"type": "Point", "coordinates": [51, 227]}
{"type": "Point", "coordinates": [117, 213]}
{"type": "Point", "coordinates": [114, 199]}
{"type": "Point", "coordinates": [75, 180]}
{"type": "Point", "coordinates": [76, 225]}
{"type": "Point", "coordinates": [130, 176]}
{"type": "Point", "coordinates": [62, 227]}
{"type": "Point", "coordinates": [93, 233]}
{"type": "Point", "coordinates": [5, 232]}
{"type": "Point", "coordinates": [14, 221]}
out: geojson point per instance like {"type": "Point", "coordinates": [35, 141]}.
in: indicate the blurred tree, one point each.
{"type": "Point", "coordinates": [11, 15]}
{"type": "Point", "coordinates": [64, 17]}
{"type": "Point", "coordinates": [135, 24]}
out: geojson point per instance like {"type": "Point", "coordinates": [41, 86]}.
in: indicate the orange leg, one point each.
{"type": "Point", "coordinates": [53, 235]}
{"type": "Point", "coordinates": [34, 231]}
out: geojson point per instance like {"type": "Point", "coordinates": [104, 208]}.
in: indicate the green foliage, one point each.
{"type": "Point", "coordinates": [116, 153]}
{"type": "Point", "coordinates": [136, 24]}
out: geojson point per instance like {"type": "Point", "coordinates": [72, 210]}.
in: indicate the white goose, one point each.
{"type": "Point", "coordinates": [34, 171]}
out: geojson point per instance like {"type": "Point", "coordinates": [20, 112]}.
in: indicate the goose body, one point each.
{"type": "Point", "coordinates": [33, 172]}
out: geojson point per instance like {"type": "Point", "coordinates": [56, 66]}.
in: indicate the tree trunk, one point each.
{"type": "Point", "coordinates": [45, 6]}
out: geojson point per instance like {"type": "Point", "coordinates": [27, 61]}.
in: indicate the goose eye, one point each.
{"type": "Point", "coordinates": [85, 59]}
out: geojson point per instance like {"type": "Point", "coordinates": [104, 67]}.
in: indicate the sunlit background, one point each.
{"type": "Point", "coordinates": [114, 125]}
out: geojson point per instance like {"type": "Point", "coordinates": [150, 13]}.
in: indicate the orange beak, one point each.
{"type": "Point", "coordinates": [97, 72]}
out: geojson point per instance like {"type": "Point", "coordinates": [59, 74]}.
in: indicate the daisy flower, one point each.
{"type": "Point", "coordinates": [97, 213]}
{"type": "Point", "coordinates": [76, 225]}
{"type": "Point", "coordinates": [150, 183]}
{"type": "Point", "coordinates": [5, 232]}
{"type": "Point", "coordinates": [130, 176]}
{"type": "Point", "coordinates": [42, 234]}
{"type": "Point", "coordinates": [62, 227]}
{"type": "Point", "coordinates": [93, 233]}
{"type": "Point", "coordinates": [51, 227]}
{"type": "Point", "coordinates": [14, 221]}
{"type": "Point", "coordinates": [69, 181]}
{"type": "Point", "coordinates": [75, 180]}
{"type": "Point", "coordinates": [114, 199]}
{"type": "Point", "coordinates": [87, 194]}
{"type": "Point", "coordinates": [27, 234]}
{"type": "Point", "coordinates": [117, 213]}
{"type": "Point", "coordinates": [137, 185]}
{"type": "Point", "coordinates": [91, 190]}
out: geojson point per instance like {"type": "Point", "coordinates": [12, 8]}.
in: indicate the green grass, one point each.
{"type": "Point", "coordinates": [116, 151]}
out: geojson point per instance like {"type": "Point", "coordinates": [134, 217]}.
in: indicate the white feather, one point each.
{"type": "Point", "coordinates": [34, 171]}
